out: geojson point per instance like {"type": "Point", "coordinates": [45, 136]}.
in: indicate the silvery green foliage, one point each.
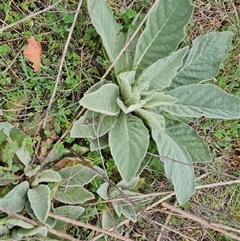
{"type": "Point", "coordinates": [156, 94]}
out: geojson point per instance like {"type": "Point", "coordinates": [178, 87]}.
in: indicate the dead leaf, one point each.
{"type": "Point", "coordinates": [33, 53]}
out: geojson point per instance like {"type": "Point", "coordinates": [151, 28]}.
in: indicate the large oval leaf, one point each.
{"type": "Point", "coordinates": [203, 60]}
{"type": "Point", "coordinates": [161, 72]}
{"type": "Point", "coordinates": [177, 163]}
{"type": "Point", "coordinates": [77, 175]}
{"type": "Point", "coordinates": [102, 19]}
{"type": "Point", "coordinates": [203, 100]}
{"type": "Point", "coordinates": [191, 141]}
{"type": "Point", "coordinates": [152, 119]}
{"type": "Point", "coordinates": [164, 30]}
{"type": "Point", "coordinates": [40, 202]}
{"type": "Point", "coordinates": [102, 100]}
{"type": "Point", "coordinates": [16, 198]}
{"type": "Point", "coordinates": [72, 212]}
{"type": "Point", "coordinates": [128, 141]}
{"type": "Point", "coordinates": [73, 195]}
{"type": "Point", "coordinates": [92, 125]}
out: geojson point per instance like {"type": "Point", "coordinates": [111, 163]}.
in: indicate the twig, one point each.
{"type": "Point", "coordinates": [201, 221]}
{"type": "Point", "coordinates": [137, 196]}
{"type": "Point", "coordinates": [165, 224]}
{"type": "Point", "coordinates": [175, 231]}
{"type": "Point", "coordinates": [89, 226]}
{"type": "Point", "coordinates": [226, 227]}
{"type": "Point", "coordinates": [29, 16]}
{"type": "Point", "coordinates": [62, 61]}
{"type": "Point", "coordinates": [217, 184]}
{"type": "Point", "coordinates": [35, 223]}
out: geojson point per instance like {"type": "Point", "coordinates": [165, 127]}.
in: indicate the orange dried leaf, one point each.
{"type": "Point", "coordinates": [33, 53]}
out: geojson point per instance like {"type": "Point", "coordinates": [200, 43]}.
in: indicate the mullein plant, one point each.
{"type": "Point", "coordinates": [157, 90]}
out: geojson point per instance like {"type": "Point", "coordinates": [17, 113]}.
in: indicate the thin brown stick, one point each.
{"type": "Point", "coordinates": [217, 184]}
{"type": "Point", "coordinates": [138, 196]}
{"type": "Point", "coordinates": [62, 61]}
{"type": "Point", "coordinates": [165, 223]}
{"type": "Point", "coordinates": [175, 231]}
{"type": "Point", "coordinates": [226, 227]}
{"type": "Point", "coordinates": [29, 16]}
{"type": "Point", "coordinates": [89, 226]}
{"type": "Point", "coordinates": [201, 221]}
{"type": "Point", "coordinates": [37, 224]}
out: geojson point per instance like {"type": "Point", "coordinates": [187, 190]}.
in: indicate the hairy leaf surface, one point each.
{"type": "Point", "coordinates": [46, 176]}
{"type": "Point", "coordinates": [102, 100]}
{"type": "Point", "coordinates": [177, 164]}
{"type": "Point", "coordinates": [203, 100]}
{"type": "Point", "coordinates": [191, 141]}
{"type": "Point", "coordinates": [102, 19]}
{"type": "Point", "coordinates": [39, 198]}
{"type": "Point", "coordinates": [92, 125]}
{"type": "Point", "coordinates": [98, 143]}
{"type": "Point", "coordinates": [152, 119]}
{"type": "Point", "coordinates": [164, 30]}
{"type": "Point", "coordinates": [73, 195]}
{"type": "Point", "coordinates": [128, 141]}
{"type": "Point", "coordinates": [161, 72]}
{"type": "Point", "coordinates": [16, 198]}
{"type": "Point", "coordinates": [203, 59]}
{"type": "Point", "coordinates": [159, 98]}
{"type": "Point", "coordinates": [129, 53]}
{"type": "Point", "coordinates": [77, 175]}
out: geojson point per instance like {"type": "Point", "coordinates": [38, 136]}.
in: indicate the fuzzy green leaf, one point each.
{"type": "Point", "coordinates": [6, 127]}
{"type": "Point", "coordinates": [191, 141]}
{"type": "Point", "coordinates": [72, 212]}
{"type": "Point", "coordinates": [144, 163]}
{"type": "Point", "coordinates": [203, 60]}
{"type": "Point", "coordinates": [22, 232]}
{"type": "Point", "coordinates": [128, 141]}
{"type": "Point", "coordinates": [46, 176]}
{"type": "Point", "coordinates": [39, 198]}
{"type": "Point", "coordinates": [203, 100]}
{"type": "Point", "coordinates": [24, 156]}
{"type": "Point", "coordinates": [16, 198]}
{"type": "Point", "coordinates": [98, 143]}
{"type": "Point", "coordinates": [73, 195]}
{"type": "Point", "coordinates": [92, 125]}
{"type": "Point", "coordinates": [128, 211]}
{"type": "Point", "coordinates": [102, 19]}
{"type": "Point", "coordinates": [161, 72]}
{"type": "Point", "coordinates": [164, 30]}
{"type": "Point", "coordinates": [20, 223]}
{"type": "Point", "coordinates": [177, 164]}
{"type": "Point", "coordinates": [77, 175]}
{"type": "Point", "coordinates": [3, 231]}
{"type": "Point", "coordinates": [128, 109]}
{"type": "Point", "coordinates": [152, 119]}
{"type": "Point", "coordinates": [108, 219]}
{"type": "Point", "coordinates": [129, 53]}
{"type": "Point", "coordinates": [103, 191]}
{"type": "Point", "coordinates": [102, 100]}
{"type": "Point", "coordinates": [158, 99]}
{"type": "Point", "coordinates": [96, 86]}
